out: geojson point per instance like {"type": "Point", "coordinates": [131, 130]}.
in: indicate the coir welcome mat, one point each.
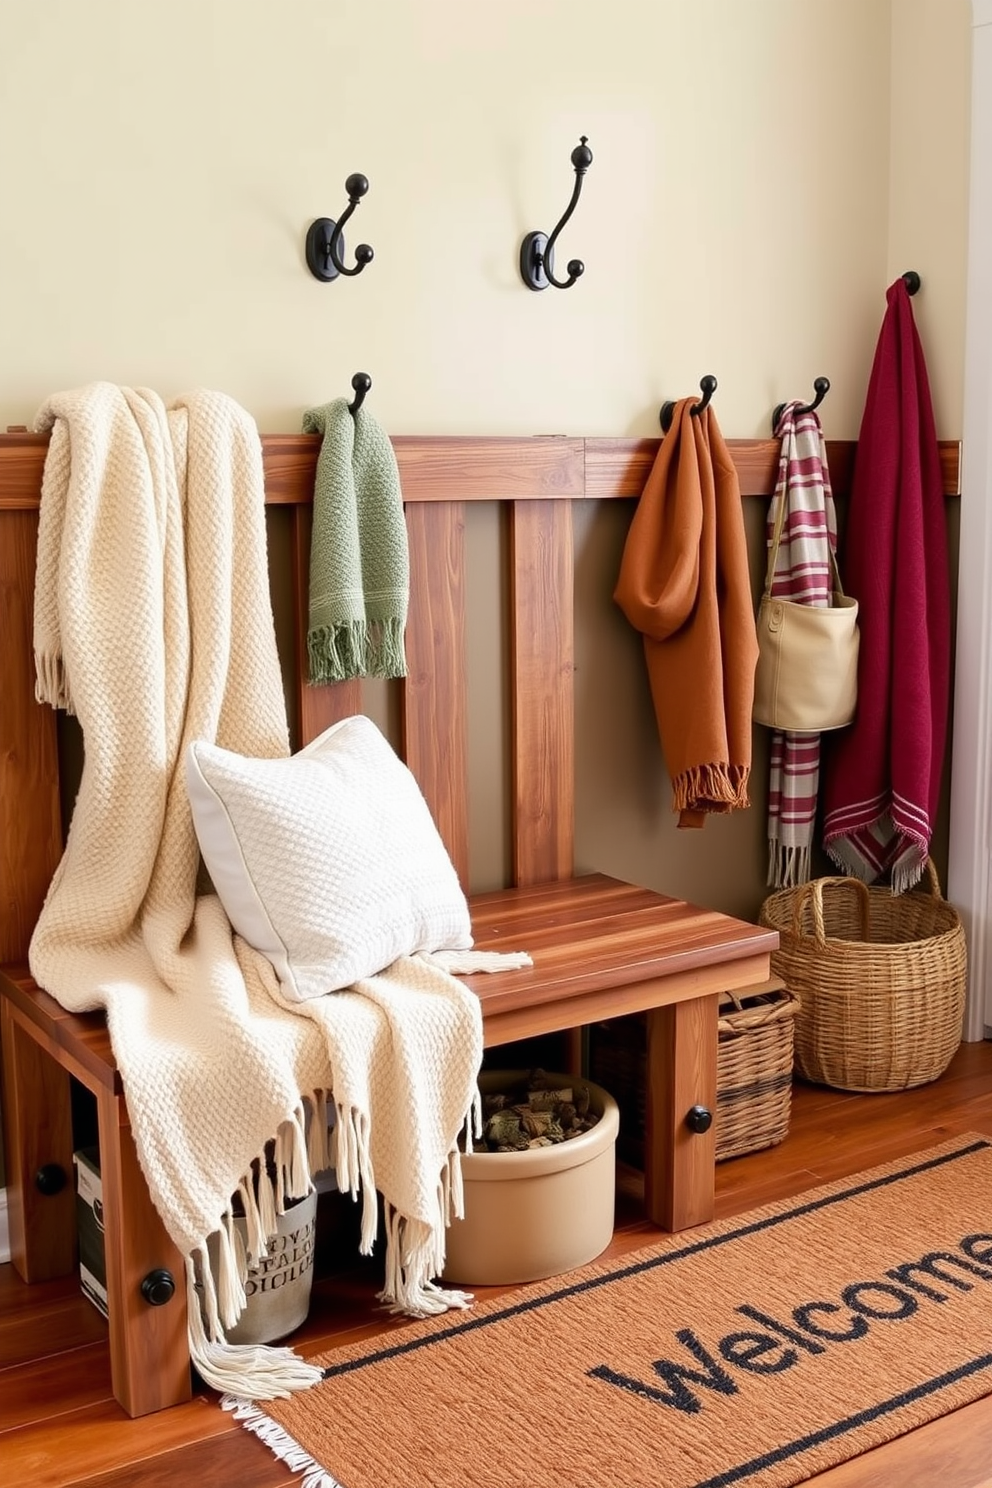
{"type": "Point", "coordinates": [755, 1351]}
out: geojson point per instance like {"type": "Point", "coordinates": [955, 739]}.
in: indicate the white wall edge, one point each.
{"type": "Point", "coordinates": [981, 12]}
{"type": "Point", "coordinates": [969, 884]}
{"type": "Point", "coordinates": [4, 1228]}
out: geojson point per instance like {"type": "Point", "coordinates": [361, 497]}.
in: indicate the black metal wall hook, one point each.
{"type": "Point", "coordinates": [912, 281]}
{"type": "Point", "coordinates": [707, 386]}
{"type": "Point", "coordinates": [821, 387]}
{"type": "Point", "coordinates": [537, 252]}
{"type": "Point", "coordinates": [361, 382]}
{"type": "Point", "coordinates": [325, 243]}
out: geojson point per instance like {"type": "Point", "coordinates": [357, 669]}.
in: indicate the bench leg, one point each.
{"type": "Point", "coordinates": [37, 1119]}
{"type": "Point", "coordinates": [680, 1164]}
{"type": "Point", "coordinates": [149, 1349]}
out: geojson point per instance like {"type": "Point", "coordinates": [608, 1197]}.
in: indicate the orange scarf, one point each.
{"type": "Point", "coordinates": [684, 583]}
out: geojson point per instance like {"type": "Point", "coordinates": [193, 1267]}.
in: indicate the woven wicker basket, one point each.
{"type": "Point", "coordinates": [754, 1071]}
{"type": "Point", "coordinates": [880, 976]}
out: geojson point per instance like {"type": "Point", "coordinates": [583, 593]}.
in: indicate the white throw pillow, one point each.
{"type": "Point", "coordinates": [327, 862]}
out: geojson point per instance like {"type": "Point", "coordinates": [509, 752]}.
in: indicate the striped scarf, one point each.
{"type": "Point", "coordinates": [802, 574]}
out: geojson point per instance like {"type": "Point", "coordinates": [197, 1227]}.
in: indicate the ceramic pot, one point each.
{"type": "Point", "coordinates": [536, 1213]}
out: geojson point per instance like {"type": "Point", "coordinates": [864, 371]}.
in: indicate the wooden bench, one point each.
{"type": "Point", "coordinates": [601, 948]}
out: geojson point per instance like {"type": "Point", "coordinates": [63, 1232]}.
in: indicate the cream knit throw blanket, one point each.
{"type": "Point", "coordinates": [153, 625]}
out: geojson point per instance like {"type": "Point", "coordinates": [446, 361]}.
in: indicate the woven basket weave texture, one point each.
{"type": "Point", "coordinates": [754, 1071]}
{"type": "Point", "coordinates": [881, 980]}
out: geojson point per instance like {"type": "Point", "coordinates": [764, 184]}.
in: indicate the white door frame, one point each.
{"type": "Point", "coordinates": [969, 884]}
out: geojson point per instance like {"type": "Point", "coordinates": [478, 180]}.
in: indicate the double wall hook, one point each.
{"type": "Point", "coordinates": [707, 386]}
{"type": "Point", "coordinates": [361, 382]}
{"type": "Point", "coordinates": [325, 243]}
{"type": "Point", "coordinates": [821, 387]}
{"type": "Point", "coordinates": [537, 252]}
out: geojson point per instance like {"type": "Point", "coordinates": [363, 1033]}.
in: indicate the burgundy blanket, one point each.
{"type": "Point", "coordinates": [882, 775]}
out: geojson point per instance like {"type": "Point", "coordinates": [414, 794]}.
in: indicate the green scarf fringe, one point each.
{"type": "Point", "coordinates": [370, 648]}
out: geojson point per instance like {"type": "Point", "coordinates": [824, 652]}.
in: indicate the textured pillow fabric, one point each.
{"type": "Point", "coordinates": [328, 862]}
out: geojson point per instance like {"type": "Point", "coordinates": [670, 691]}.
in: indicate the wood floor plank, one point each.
{"type": "Point", "coordinates": [59, 1319]}
{"type": "Point", "coordinates": [76, 1379]}
{"type": "Point", "coordinates": [236, 1458]}
{"type": "Point", "coordinates": [53, 1347]}
{"type": "Point", "coordinates": [68, 1449]}
{"type": "Point", "coordinates": [952, 1451]}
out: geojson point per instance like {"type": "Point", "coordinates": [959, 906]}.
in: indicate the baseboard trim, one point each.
{"type": "Point", "coordinates": [4, 1229]}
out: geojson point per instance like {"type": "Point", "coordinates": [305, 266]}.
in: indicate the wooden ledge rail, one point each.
{"type": "Point", "coordinates": [457, 468]}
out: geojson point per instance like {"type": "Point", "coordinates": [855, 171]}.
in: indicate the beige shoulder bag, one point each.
{"type": "Point", "coordinates": [807, 675]}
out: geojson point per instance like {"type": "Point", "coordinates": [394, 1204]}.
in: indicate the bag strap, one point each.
{"type": "Point", "coordinates": [838, 587]}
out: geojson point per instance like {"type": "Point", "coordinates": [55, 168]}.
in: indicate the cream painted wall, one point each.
{"type": "Point", "coordinates": [163, 161]}
{"type": "Point", "coordinates": [929, 183]}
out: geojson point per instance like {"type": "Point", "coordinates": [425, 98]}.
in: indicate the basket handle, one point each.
{"type": "Point", "coordinates": [811, 896]}
{"type": "Point", "coordinates": [756, 1017]}
{"type": "Point", "coordinates": [931, 871]}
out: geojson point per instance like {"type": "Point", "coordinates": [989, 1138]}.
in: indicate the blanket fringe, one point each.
{"type": "Point", "coordinates": [712, 788]}
{"type": "Point", "coordinates": [51, 684]}
{"type": "Point", "coordinates": [907, 870]}
{"type": "Point", "coordinates": [232, 1269]}
{"type": "Point", "coordinates": [866, 851]}
{"type": "Point", "coordinates": [356, 648]}
{"type": "Point", "coordinates": [291, 1160]}
{"type": "Point", "coordinates": [788, 867]}
{"type": "Point", "coordinates": [280, 1443]}
{"type": "Point", "coordinates": [318, 1137]}
{"type": "Point", "coordinates": [415, 1253]}
{"type": "Point", "coordinates": [258, 1370]}
{"type": "Point", "coordinates": [216, 1295]}
{"type": "Point", "coordinates": [255, 1242]}
{"type": "Point", "coordinates": [353, 1166]}
{"type": "Point", "coordinates": [465, 962]}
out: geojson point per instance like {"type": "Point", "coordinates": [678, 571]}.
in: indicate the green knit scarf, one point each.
{"type": "Point", "coordinates": [359, 563]}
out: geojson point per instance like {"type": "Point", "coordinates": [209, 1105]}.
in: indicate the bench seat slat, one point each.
{"type": "Point", "coordinates": [595, 933]}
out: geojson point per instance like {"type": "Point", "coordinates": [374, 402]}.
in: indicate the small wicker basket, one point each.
{"type": "Point", "coordinates": [880, 976]}
{"type": "Point", "coordinates": [754, 1071]}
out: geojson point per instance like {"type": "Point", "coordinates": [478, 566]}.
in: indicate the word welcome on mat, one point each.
{"type": "Point", "coordinates": [757, 1351]}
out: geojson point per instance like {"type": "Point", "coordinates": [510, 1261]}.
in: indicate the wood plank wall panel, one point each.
{"type": "Point", "coordinates": [433, 697]}
{"type": "Point", "coordinates": [483, 469]}
{"type": "Point", "coordinates": [619, 467]}
{"type": "Point", "coordinates": [30, 825]}
{"type": "Point", "coordinates": [442, 468]}
{"type": "Point", "coordinates": [542, 660]}
{"type": "Point", "coordinates": [22, 459]}
{"type": "Point", "coordinates": [449, 468]}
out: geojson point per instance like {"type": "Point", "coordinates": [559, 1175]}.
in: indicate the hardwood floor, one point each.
{"type": "Point", "coordinates": [60, 1427]}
